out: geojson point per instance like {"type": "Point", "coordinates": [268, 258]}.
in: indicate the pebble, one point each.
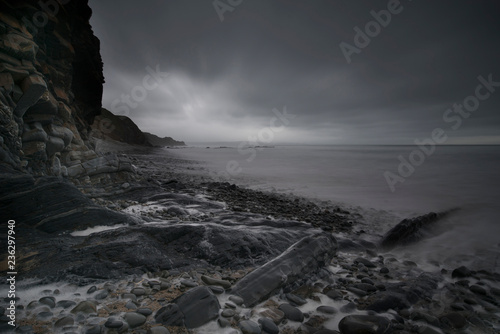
{"type": "Point", "coordinates": [365, 262]}
{"type": "Point", "coordinates": [366, 324]}
{"type": "Point", "coordinates": [158, 330]}
{"type": "Point", "coordinates": [268, 326]}
{"type": "Point", "coordinates": [216, 289]}
{"type": "Point", "coordinates": [274, 314]}
{"type": "Point", "coordinates": [223, 322]}
{"type": "Point", "coordinates": [227, 313]}
{"type": "Point", "coordinates": [478, 289]}
{"type": "Point", "coordinates": [138, 291]}
{"type": "Point", "coordinates": [65, 303]}
{"type": "Point", "coordinates": [326, 309]}
{"type": "Point", "coordinates": [291, 312]}
{"type": "Point", "coordinates": [65, 321]}
{"type": "Point", "coordinates": [96, 329]}
{"type": "Point", "coordinates": [101, 295]}
{"type": "Point", "coordinates": [113, 323]}
{"type": "Point", "coordinates": [49, 301]}
{"type": "Point", "coordinates": [249, 327]}
{"type": "Point", "coordinates": [145, 311]}
{"type": "Point", "coordinates": [454, 320]}
{"type": "Point", "coordinates": [189, 283]}
{"type": "Point", "coordinates": [134, 319]}
{"type": "Point", "coordinates": [84, 307]}
{"type": "Point", "coordinates": [296, 299]}
{"type": "Point", "coordinates": [237, 300]}
{"type": "Point", "coordinates": [461, 272]}
{"type": "Point", "coordinates": [213, 281]}
{"type": "Point", "coordinates": [335, 294]}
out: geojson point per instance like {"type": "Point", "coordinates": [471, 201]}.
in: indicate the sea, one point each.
{"type": "Point", "coordinates": [383, 184]}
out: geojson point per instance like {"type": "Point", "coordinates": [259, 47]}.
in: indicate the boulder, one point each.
{"type": "Point", "coordinates": [301, 259]}
{"type": "Point", "coordinates": [199, 305]}
{"type": "Point", "coordinates": [411, 230]}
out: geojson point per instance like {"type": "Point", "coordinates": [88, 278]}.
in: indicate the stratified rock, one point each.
{"type": "Point", "coordinates": [33, 88]}
{"type": "Point", "coordinates": [366, 324]}
{"type": "Point", "coordinates": [302, 258]}
{"type": "Point", "coordinates": [54, 145]}
{"type": "Point", "coordinates": [64, 207]}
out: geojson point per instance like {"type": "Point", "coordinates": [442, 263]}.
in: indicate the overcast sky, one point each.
{"type": "Point", "coordinates": [225, 77]}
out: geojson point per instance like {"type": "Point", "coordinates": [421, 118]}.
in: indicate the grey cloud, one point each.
{"type": "Point", "coordinates": [230, 75]}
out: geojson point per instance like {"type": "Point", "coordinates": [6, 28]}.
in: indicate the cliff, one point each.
{"type": "Point", "coordinates": [50, 85]}
{"type": "Point", "coordinates": [119, 128]}
{"type": "Point", "coordinates": [166, 141]}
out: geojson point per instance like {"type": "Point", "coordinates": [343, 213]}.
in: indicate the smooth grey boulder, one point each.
{"type": "Point", "coordinates": [199, 305]}
{"type": "Point", "coordinates": [302, 258]}
{"type": "Point", "coordinates": [291, 312]}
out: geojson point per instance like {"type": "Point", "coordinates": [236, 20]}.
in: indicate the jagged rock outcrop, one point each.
{"type": "Point", "coordinates": [50, 85]}
{"type": "Point", "coordinates": [161, 142]}
{"type": "Point", "coordinates": [411, 230]}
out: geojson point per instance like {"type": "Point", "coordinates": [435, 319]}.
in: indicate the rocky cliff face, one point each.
{"type": "Point", "coordinates": [50, 86]}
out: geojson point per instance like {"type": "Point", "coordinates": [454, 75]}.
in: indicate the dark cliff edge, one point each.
{"type": "Point", "coordinates": [159, 142]}
{"type": "Point", "coordinates": [121, 128]}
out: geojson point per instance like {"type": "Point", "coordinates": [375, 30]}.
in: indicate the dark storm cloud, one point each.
{"type": "Point", "coordinates": [226, 77]}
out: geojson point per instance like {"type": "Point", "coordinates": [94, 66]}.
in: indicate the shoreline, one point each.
{"type": "Point", "coordinates": [364, 284]}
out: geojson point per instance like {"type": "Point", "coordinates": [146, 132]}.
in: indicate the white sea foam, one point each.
{"type": "Point", "coordinates": [96, 229]}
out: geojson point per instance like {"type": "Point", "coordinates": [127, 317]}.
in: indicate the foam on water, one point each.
{"type": "Point", "coordinates": [96, 229]}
